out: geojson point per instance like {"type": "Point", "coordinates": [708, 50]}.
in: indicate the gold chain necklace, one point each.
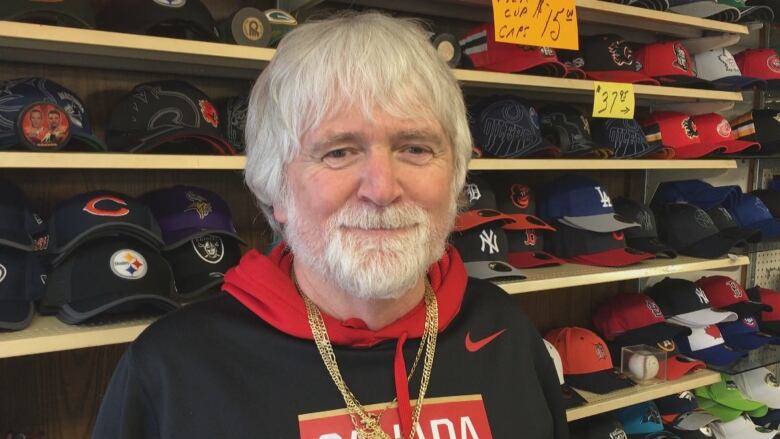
{"type": "Point", "coordinates": [367, 425]}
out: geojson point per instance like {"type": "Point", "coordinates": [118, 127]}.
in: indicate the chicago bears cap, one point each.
{"type": "Point", "coordinates": [586, 360]}
{"type": "Point", "coordinates": [696, 192]}
{"type": "Point", "coordinates": [679, 132]}
{"type": "Point", "coordinates": [742, 428]}
{"type": "Point", "coordinates": [606, 249]}
{"type": "Point", "coordinates": [625, 137]}
{"type": "Point", "coordinates": [690, 231]}
{"type": "Point", "coordinates": [484, 252]}
{"type": "Point", "coordinates": [644, 237]}
{"type": "Point", "coordinates": [233, 111]}
{"type": "Point", "coordinates": [760, 385]}
{"type": "Point", "coordinates": [714, 129]}
{"type": "Point", "coordinates": [18, 223]}
{"type": "Point", "coordinates": [760, 63]}
{"type": "Point", "coordinates": [188, 212]}
{"type": "Point", "coordinates": [199, 265]}
{"type": "Point", "coordinates": [580, 202]}
{"type": "Point", "coordinates": [603, 426]}
{"type": "Point", "coordinates": [606, 57]}
{"type": "Point", "coordinates": [719, 67]}
{"type": "Point", "coordinates": [481, 206]}
{"type": "Point", "coordinates": [185, 19]}
{"type": "Point", "coordinates": [641, 420]}
{"type": "Point", "coordinates": [771, 199]}
{"type": "Point", "coordinates": [21, 283]}
{"type": "Point", "coordinates": [526, 249]}
{"type": "Point", "coordinates": [711, 9]}
{"type": "Point", "coordinates": [744, 334]}
{"type": "Point", "coordinates": [95, 214]}
{"type": "Point", "coordinates": [515, 199]}
{"type": "Point", "coordinates": [707, 344]}
{"type": "Point", "coordinates": [728, 227]}
{"type": "Point", "coordinates": [480, 46]}
{"type": "Point", "coordinates": [567, 127]}
{"type": "Point", "coordinates": [508, 126]}
{"type": "Point", "coordinates": [62, 120]}
{"type": "Point", "coordinates": [670, 64]}
{"type": "Point", "coordinates": [750, 212]}
{"type": "Point", "coordinates": [762, 126]}
{"type": "Point", "coordinates": [570, 396]}
{"type": "Point", "coordinates": [630, 315]}
{"type": "Point", "coordinates": [725, 293]}
{"type": "Point", "coordinates": [109, 276]}
{"type": "Point", "coordinates": [70, 13]}
{"type": "Point", "coordinates": [169, 116]}
{"type": "Point", "coordinates": [683, 303]}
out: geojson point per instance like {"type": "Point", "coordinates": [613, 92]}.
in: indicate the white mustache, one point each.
{"type": "Point", "coordinates": [370, 218]}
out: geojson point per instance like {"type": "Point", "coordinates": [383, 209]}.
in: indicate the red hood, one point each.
{"type": "Point", "coordinates": [262, 284]}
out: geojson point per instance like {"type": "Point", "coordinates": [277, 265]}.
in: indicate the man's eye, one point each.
{"type": "Point", "coordinates": [337, 154]}
{"type": "Point", "coordinates": [338, 158]}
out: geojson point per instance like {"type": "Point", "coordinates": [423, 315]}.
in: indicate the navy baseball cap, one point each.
{"type": "Point", "coordinates": [580, 202]}
{"type": "Point", "coordinates": [24, 96]}
{"type": "Point", "coordinates": [707, 344]}
{"type": "Point", "coordinates": [624, 136]}
{"type": "Point", "coordinates": [565, 126]}
{"type": "Point", "coordinates": [644, 237]}
{"type": "Point", "coordinates": [18, 223]}
{"type": "Point", "coordinates": [690, 231]}
{"type": "Point", "coordinates": [109, 276]}
{"type": "Point", "coordinates": [696, 192]}
{"type": "Point", "coordinates": [184, 19]}
{"type": "Point", "coordinates": [507, 127]}
{"type": "Point", "coordinates": [21, 283]}
{"type": "Point", "coordinates": [200, 264]}
{"type": "Point", "coordinates": [526, 249]}
{"type": "Point", "coordinates": [771, 199]}
{"type": "Point", "coordinates": [593, 248]}
{"type": "Point", "coordinates": [744, 334]}
{"type": "Point", "coordinates": [96, 214]}
{"type": "Point", "coordinates": [484, 250]}
{"type": "Point", "coordinates": [481, 206]}
{"type": "Point", "coordinates": [749, 211]}
{"type": "Point", "coordinates": [188, 212]}
{"type": "Point", "coordinates": [515, 199]}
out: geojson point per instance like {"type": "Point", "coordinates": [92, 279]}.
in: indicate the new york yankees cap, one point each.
{"type": "Point", "coordinates": [199, 265]}
{"type": "Point", "coordinates": [515, 199]}
{"type": "Point", "coordinates": [18, 222]}
{"type": "Point", "coordinates": [762, 126]}
{"type": "Point", "coordinates": [670, 63]}
{"type": "Point", "coordinates": [565, 126]}
{"type": "Point", "coordinates": [186, 19]}
{"type": "Point", "coordinates": [21, 283]}
{"type": "Point", "coordinates": [720, 68]}
{"type": "Point", "coordinates": [481, 208]}
{"type": "Point", "coordinates": [526, 249]}
{"type": "Point", "coordinates": [607, 249]}
{"type": "Point", "coordinates": [480, 46]}
{"type": "Point", "coordinates": [71, 13]}
{"type": "Point", "coordinates": [570, 396]}
{"type": "Point", "coordinates": [679, 132]}
{"type": "Point", "coordinates": [484, 251]}
{"type": "Point", "coordinates": [760, 63]}
{"type": "Point", "coordinates": [726, 293]}
{"type": "Point", "coordinates": [683, 303]}
{"type": "Point", "coordinates": [109, 276]}
{"type": "Point", "coordinates": [690, 231]}
{"type": "Point", "coordinates": [714, 129]}
{"type": "Point", "coordinates": [624, 137]}
{"type": "Point", "coordinates": [644, 237]}
{"type": "Point", "coordinates": [169, 116]}
{"type": "Point", "coordinates": [707, 344]}
{"type": "Point", "coordinates": [606, 57]}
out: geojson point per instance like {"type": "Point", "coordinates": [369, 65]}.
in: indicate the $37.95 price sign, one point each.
{"type": "Point", "coordinates": [613, 100]}
{"type": "Point", "coordinates": [548, 23]}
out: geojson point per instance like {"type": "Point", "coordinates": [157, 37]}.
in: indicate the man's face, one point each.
{"type": "Point", "coordinates": [54, 120]}
{"type": "Point", "coordinates": [371, 201]}
{"type": "Point", "coordinates": [36, 119]}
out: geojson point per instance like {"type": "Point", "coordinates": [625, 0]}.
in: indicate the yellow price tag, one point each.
{"type": "Point", "coordinates": [547, 23]}
{"type": "Point", "coordinates": [613, 100]}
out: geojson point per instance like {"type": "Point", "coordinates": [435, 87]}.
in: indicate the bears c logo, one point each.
{"type": "Point", "coordinates": [112, 206]}
{"type": "Point", "coordinates": [520, 195]}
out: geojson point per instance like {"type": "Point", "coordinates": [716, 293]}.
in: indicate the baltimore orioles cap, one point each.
{"type": "Point", "coordinates": [70, 13]}
{"type": "Point", "coordinates": [515, 199]}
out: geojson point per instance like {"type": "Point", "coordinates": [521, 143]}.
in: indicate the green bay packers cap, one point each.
{"type": "Point", "coordinates": [71, 13]}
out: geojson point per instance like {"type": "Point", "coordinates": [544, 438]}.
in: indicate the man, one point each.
{"type": "Point", "coordinates": [363, 323]}
{"type": "Point", "coordinates": [35, 131]}
{"type": "Point", "coordinates": [56, 132]}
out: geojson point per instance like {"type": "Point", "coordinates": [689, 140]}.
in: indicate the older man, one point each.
{"type": "Point", "coordinates": [362, 323]}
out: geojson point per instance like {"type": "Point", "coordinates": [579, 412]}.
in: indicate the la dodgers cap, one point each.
{"type": "Point", "coordinates": [719, 67]}
{"type": "Point", "coordinates": [508, 126]}
{"type": "Point", "coordinates": [526, 249]}
{"type": "Point", "coordinates": [484, 250]}
{"type": "Point", "coordinates": [586, 361]}
{"type": "Point", "coordinates": [607, 249]}
{"type": "Point", "coordinates": [606, 57]}
{"type": "Point", "coordinates": [169, 116]}
{"type": "Point", "coordinates": [480, 46]}
{"type": "Point", "coordinates": [750, 212]}
{"type": "Point", "coordinates": [109, 276]}
{"type": "Point", "coordinates": [711, 9]}
{"type": "Point", "coordinates": [515, 199]}
{"type": "Point", "coordinates": [481, 206]}
{"type": "Point", "coordinates": [18, 222]}
{"type": "Point", "coordinates": [760, 385]}
{"type": "Point", "coordinates": [725, 293]}
{"type": "Point", "coordinates": [199, 265]}
{"type": "Point", "coordinates": [684, 303]}
{"type": "Point", "coordinates": [679, 132]}
{"type": "Point", "coordinates": [580, 202]}
{"type": "Point", "coordinates": [565, 126]}
{"type": "Point", "coordinates": [744, 334]}
{"type": "Point", "coordinates": [697, 192]}
{"type": "Point", "coordinates": [771, 199]}
{"type": "Point", "coordinates": [570, 396]}
{"type": "Point", "coordinates": [670, 64]}
{"type": "Point", "coordinates": [707, 344]}
{"type": "Point", "coordinates": [742, 428]}
{"type": "Point", "coordinates": [187, 19]}
{"type": "Point", "coordinates": [644, 237]}
{"type": "Point", "coordinates": [71, 13]}
{"type": "Point", "coordinates": [690, 231]}
{"type": "Point", "coordinates": [760, 63]}
{"type": "Point", "coordinates": [631, 315]}
{"type": "Point", "coordinates": [188, 212]}
{"type": "Point", "coordinates": [714, 129]}
{"type": "Point", "coordinates": [21, 283]}
{"type": "Point", "coordinates": [625, 137]}
{"type": "Point", "coordinates": [762, 126]}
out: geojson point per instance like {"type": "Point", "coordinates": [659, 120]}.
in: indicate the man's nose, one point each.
{"type": "Point", "coordinates": [380, 183]}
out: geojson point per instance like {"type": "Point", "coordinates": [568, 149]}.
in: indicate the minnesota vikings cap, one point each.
{"type": "Point", "coordinates": [683, 303]}
{"type": "Point", "coordinates": [188, 212]}
{"type": "Point", "coordinates": [515, 199]}
{"type": "Point", "coordinates": [762, 126]}
{"type": "Point", "coordinates": [719, 67]}
{"type": "Point", "coordinates": [742, 428]}
{"type": "Point", "coordinates": [607, 249]}
{"type": "Point", "coordinates": [185, 19]}
{"type": "Point", "coordinates": [711, 9]}
{"type": "Point", "coordinates": [526, 249]}
{"type": "Point", "coordinates": [771, 199]}
{"type": "Point", "coordinates": [606, 57]}
{"type": "Point", "coordinates": [42, 115]}
{"type": "Point", "coordinates": [508, 126]}
{"type": "Point", "coordinates": [480, 46]}
{"type": "Point", "coordinates": [725, 293]}
{"type": "Point", "coordinates": [707, 344]}
{"type": "Point", "coordinates": [714, 129]}
{"type": "Point", "coordinates": [481, 206]}
{"type": "Point", "coordinates": [690, 231]}
{"type": "Point", "coordinates": [670, 64]}
{"type": "Point", "coordinates": [109, 276]}
{"type": "Point", "coordinates": [570, 396]}
{"type": "Point", "coordinates": [567, 127]}
{"type": "Point", "coordinates": [644, 237]}
{"type": "Point", "coordinates": [586, 361]}
{"type": "Point", "coordinates": [744, 334]}
{"type": "Point", "coordinates": [70, 13]}
{"type": "Point", "coordinates": [760, 63]}
{"type": "Point", "coordinates": [199, 265]}
{"type": "Point", "coordinates": [484, 250]}
{"type": "Point", "coordinates": [679, 132]}
{"type": "Point", "coordinates": [21, 283]}
{"type": "Point", "coordinates": [580, 202]}
{"type": "Point", "coordinates": [625, 137]}
{"type": "Point", "coordinates": [760, 385]}
{"type": "Point", "coordinates": [169, 116]}
{"type": "Point", "coordinates": [233, 111]}
{"type": "Point", "coordinates": [18, 222]}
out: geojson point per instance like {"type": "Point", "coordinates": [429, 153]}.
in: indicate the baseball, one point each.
{"type": "Point", "coordinates": [643, 366]}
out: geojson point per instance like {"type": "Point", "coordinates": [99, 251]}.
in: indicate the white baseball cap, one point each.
{"type": "Point", "coordinates": [719, 67]}
{"type": "Point", "coordinates": [741, 428]}
{"type": "Point", "coordinates": [760, 385]}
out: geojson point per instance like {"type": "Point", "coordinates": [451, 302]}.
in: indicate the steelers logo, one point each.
{"type": "Point", "coordinates": [128, 264]}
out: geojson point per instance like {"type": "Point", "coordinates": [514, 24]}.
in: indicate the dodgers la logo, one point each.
{"type": "Point", "coordinates": [472, 191]}
{"type": "Point", "coordinates": [128, 264]}
{"type": "Point", "coordinates": [603, 197]}
{"type": "Point", "coordinates": [209, 248]}
{"type": "Point", "coordinates": [490, 240]}
{"type": "Point", "coordinates": [171, 3]}
{"type": "Point", "coordinates": [199, 205]}
{"type": "Point", "coordinates": [702, 297]}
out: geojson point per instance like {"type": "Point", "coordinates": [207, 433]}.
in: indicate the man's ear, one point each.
{"type": "Point", "coordinates": [280, 213]}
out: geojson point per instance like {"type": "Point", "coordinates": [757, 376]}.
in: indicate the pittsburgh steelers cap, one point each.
{"type": "Point", "coordinates": [199, 265]}
{"type": "Point", "coordinates": [109, 276]}
{"type": "Point", "coordinates": [71, 13]}
{"type": "Point", "coordinates": [186, 19]}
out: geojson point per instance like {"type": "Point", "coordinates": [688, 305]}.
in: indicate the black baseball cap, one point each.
{"type": "Point", "coordinates": [186, 19]}
{"type": "Point", "coordinates": [482, 207]}
{"type": "Point", "coordinates": [200, 264]}
{"type": "Point", "coordinates": [684, 303]}
{"type": "Point", "coordinates": [728, 227]}
{"type": "Point", "coordinates": [526, 249]}
{"type": "Point", "coordinates": [515, 199]}
{"type": "Point", "coordinates": [18, 223]}
{"type": "Point", "coordinates": [95, 214]}
{"type": "Point", "coordinates": [109, 276]}
{"type": "Point", "coordinates": [656, 5]}
{"type": "Point", "coordinates": [169, 116]}
{"type": "Point", "coordinates": [762, 126]}
{"type": "Point", "coordinates": [606, 57]}
{"type": "Point", "coordinates": [70, 13]}
{"type": "Point", "coordinates": [690, 231]}
{"type": "Point", "coordinates": [21, 283]}
{"type": "Point", "coordinates": [233, 111]}
{"type": "Point", "coordinates": [565, 126]}
{"type": "Point", "coordinates": [625, 137]}
{"type": "Point", "coordinates": [592, 248]}
{"type": "Point", "coordinates": [644, 237]}
{"type": "Point", "coordinates": [484, 251]}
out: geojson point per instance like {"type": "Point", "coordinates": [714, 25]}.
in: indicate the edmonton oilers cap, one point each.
{"type": "Point", "coordinates": [200, 264]}
{"type": "Point", "coordinates": [23, 97]}
{"type": "Point", "coordinates": [169, 116]}
{"type": "Point", "coordinates": [21, 283]}
{"type": "Point", "coordinates": [606, 249]}
{"type": "Point", "coordinates": [109, 276]}
{"type": "Point", "coordinates": [624, 136]}
{"type": "Point", "coordinates": [188, 212]}
{"type": "Point", "coordinates": [579, 202]}
{"type": "Point", "coordinates": [18, 223]}
{"type": "Point", "coordinates": [691, 231]}
{"type": "Point", "coordinates": [644, 237]}
{"type": "Point", "coordinates": [507, 126]}
{"type": "Point", "coordinates": [186, 19]}
{"type": "Point", "coordinates": [71, 13]}
{"type": "Point", "coordinates": [84, 217]}
{"type": "Point", "coordinates": [484, 252]}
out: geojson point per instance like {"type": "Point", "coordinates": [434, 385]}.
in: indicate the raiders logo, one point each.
{"type": "Point", "coordinates": [209, 112]}
{"type": "Point", "coordinates": [3, 272]}
{"type": "Point", "coordinates": [666, 345]}
{"type": "Point", "coordinates": [690, 128]}
{"type": "Point", "coordinates": [128, 264]}
{"type": "Point", "coordinates": [680, 58]}
{"type": "Point", "coordinates": [520, 195]}
{"type": "Point", "coordinates": [171, 3]}
{"type": "Point", "coordinates": [771, 380]}
{"type": "Point", "coordinates": [724, 129]}
{"type": "Point", "coordinates": [773, 62]}
{"type": "Point", "coordinates": [199, 205]}
{"type": "Point", "coordinates": [601, 353]}
{"type": "Point", "coordinates": [621, 53]}
{"type": "Point", "coordinates": [209, 248]}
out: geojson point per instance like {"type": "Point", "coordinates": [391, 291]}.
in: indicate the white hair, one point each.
{"type": "Point", "coordinates": [369, 60]}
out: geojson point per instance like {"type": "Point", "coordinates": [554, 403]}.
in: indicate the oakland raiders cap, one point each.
{"type": "Point", "coordinates": [484, 252]}
{"type": "Point", "coordinates": [18, 223]}
{"type": "Point", "coordinates": [71, 13]}
{"type": "Point", "coordinates": [21, 283]}
{"type": "Point", "coordinates": [188, 19]}
{"type": "Point", "coordinates": [200, 264]}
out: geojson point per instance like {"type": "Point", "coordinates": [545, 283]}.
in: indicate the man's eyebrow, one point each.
{"type": "Point", "coordinates": [337, 138]}
{"type": "Point", "coordinates": [417, 134]}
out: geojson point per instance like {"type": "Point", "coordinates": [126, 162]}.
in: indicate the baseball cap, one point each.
{"type": "Point", "coordinates": [760, 63]}
{"type": "Point", "coordinates": [18, 223]}
{"type": "Point", "coordinates": [683, 303]}
{"type": "Point", "coordinates": [681, 411]}
{"type": "Point", "coordinates": [760, 385]}
{"type": "Point", "coordinates": [742, 428]}
{"type": "Point", "coordinates": [762, 126]}
{"type": "Point", "coordinates": [771, 420]}
{"type": "Point", "coordinates": [234, 111]}
{"type": "Point", "coordinates": [606, 57]}
{"type": "Point", "coordinates": [719, 67]}
{"type": "Point", "coordinates": [188, 212]}
{"type": "Point", "coordinates": [200, 264]}
{"type": "Point", "coordinates": [768, 320]}
{"type": "Point", "coordinates": [725, 293]}
{"type": "Point", "coordinates": [515, 199]}
{"type": "Point", "coordinates": [696, 192]}
{"type": "Point", "coordinates": [679, 132]}
{"type": "Point", "coordinates": [508, 126]}
{"type": "Point", "coordinates": [484, 250]}
{"type": "Point", "coordinates": [526, 249]}
{"type": "Point", "coordinates": [707, 344]}
{"type": "Point", "coordinates": [485, 53]}
{"type": "Point", "coordinates": [670, 63]}
{"type": "Point", "coordinates": [71, 13]}
{"type": "Point", "coordinates": [728, 227]}
{"type": "Point", "coordinates": [624, 136]}
{"type": "Point", "coordinates": [570, 396]}
{"type": "Point", "coordinates": [186, 19]}
{"type": "Point", "coordinates": [606, 249]}
{"type": "Point", "coordinates": [109, 276]}
{"type": "Point", "coordinates": [771, 199]}
{"type": "Point", "coordinates": [634, 317]}
{"type": "Point", "coordinates": [769, 3]}
{"type": "Point", "coordinates": [169, 116]}
{"type": "Point", "coordinates": [750, 212]}
{"type": "Point", "coordinates": [586, 361]}
{"type": "Point", "coordinates": [481, 206]}
{"type": "Point", "coordinates": [95, 214]}
{"type": "Point", "coordinates": [580, 202]}
{"type": "Point", "coordinates": [603, 426]}
{"type": "Point", "coordinates": [711, 9]}
{"type": "Point", "coordinates": [24, 96]}
{"type": "Point", "coordinates": [690, 231]}
{"type": "Point", "coordinates": [640, 420]}
{"type": "Point", "coordinates": [751, 13]}
{"type": "Point", "coordinates": [657, 5]}
{"type": "Point", "coordinates": [744, 334]}
{"type": "Point", "coordinates": [714, 129]}
{"type": "Point", "coordinates": [565, 126]}
{"type": "Point", "coordinates": [644, 237]}
{"type": "Point", "coordinates": [21, 283]}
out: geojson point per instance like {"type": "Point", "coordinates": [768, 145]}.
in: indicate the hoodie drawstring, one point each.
{"type": "Point", "coordinates": [402, 388]}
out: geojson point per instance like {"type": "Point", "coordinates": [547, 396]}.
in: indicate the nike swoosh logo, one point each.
{"type": "Point", "coordinates": [474, 346]}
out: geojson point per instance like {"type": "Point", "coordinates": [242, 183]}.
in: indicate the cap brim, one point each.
{"type": "Point", "coordinates": [571, 398]}
{"type": "Point", "coordinates": [651, 335]}
{"type": "Point", "coordinates": [703, 317]}
{"type": "Point", "coordinates": [694, 420]}
{"type": "Point", "coordinates": [477, 217]}
{"type": "Point", "coordinates": [598, 382]}
{"type": "Point", "coordinates": [738, 83]}
{"type": "Point", "coordinates": [533, 259]}
{"type": "Point", "coordinates": [91, 142]}
{"type": "Point", "coordinates": [80, 311]}
{"type": "Point", "coordinates": [747, 308]}
{"type": "Point", "coordinates": [749, 342]}
{"type": "Point", "coordinates": [696, 150]}
{"type": "Point", "coordinates": [152, 142]}
{"type": "Point", "coordinates": [737, 146]}
{"type": "Point", "coordinates": [183, 236]}
{"type": "Point", "coordinates": [526, 222]}
{"type": "Point", "coordinates": [747, 235]}
{"type": "Point", "coordinates": [623, 76]}
{"type": "Point", "coordinates": [770, 228]}
{"type": "Point", "coordinates": [718, 355]}
{"type": "Point", "coordinates": [677, 367]}
{"type": "Point", "coordinates": [684, 81]}
{"type": "Point", "coordinates": [712, 247]}
{"type": "Point", "coordinates": [16, 239]}
{"type": "Point", "coordinates": [106, 229]}
{"type": "Point", "coordinates": [16, 314]}
{"type": "Point", "coordinates": [493, 270]}
{"type": "Point", "coordinates": [603, 223]}
{"type": "Point", "coordinates": [575, 73]}
{"type": "Point", "coordinates": [515, 64]}
{"type": "Point", "coordinates": [756, 13]}
{"type": "Point", "coordinates": [652, 245]}
{"type": "Point", "coordinates": [702, 9]}
{"type": "Point", "coordinates": [656, 5]}
{"type": "Point", "coordinates": [618, 257]}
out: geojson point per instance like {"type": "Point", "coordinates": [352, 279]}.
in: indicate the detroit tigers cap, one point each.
{"type": "Point", "coordinates": [679, 132]}
{"type": "Point", "coordinates": [606, 249]}
{"type": "Point", "coordinates": [570, 396]}
{"type": "Point", "coordinates": [707, 344]}
{"type": "Point", "coordinates": [186, 19]}
{"type": "Point", "coordinates": [18, 222]}
{"type": "Point", "coordinates": [750, 212]}
{"type": "Point", "coordinates": [21, 283]}
{"type": "Point", "coordinates": [644, 237]}
{"type": "Point", "coordinates": [169, 116]}
{"type": "Point", "coordinates": [719, 67]}
{"type": "Point", "coordinates": [760, 63]}
{"type": "Point", "coordinates": [515, 199]}
{"type": "Point", "coordinates": [71, 13]}
{"type": "Point", "coordinates": [233, 111]}
{"type": "Point", "coordinates": [683, 303]}
{"type": "Point", "coordinates": [725, 293]}
{"type": "Point", "coordinates": [762, 126]}
{"type": "Point", "coordinates": [670, 64]}
{"type": "Point", "coordinates": [606, 57]}
{"type": "Point", "coordinates": [760, 385]}
{"type": "Point", "coordinates": [481, 206]}
{"type": "Point", "coordinates": [484, 251]}
{"type": "Point", "coordinates": [690, 231]}
{"type": "Point", "coordinates": [771, 199]}
{"type": "Point", "coordinates": [526, 249]}
{"type": "Point", "coordinates": [567, 127]}
{"type": "Point", "coordinates": [199, 265]}
{"type": "Point", "coordinates": [625, 137]}
{"type": "Point", "coordinates": [714, 129]}
{"type": "Point", "coordinates": [629, 315]}
{"type": "Point", "coordinates": [109, 276]}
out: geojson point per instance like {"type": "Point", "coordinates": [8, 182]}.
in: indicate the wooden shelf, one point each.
{"type": "Point", "coordinates": [590, 164]}
{"type": "Point", "coordinates": [572, 275]}
{"type": "Point", "coordinates": [635, 395]}
{"type": "Point", "coordinates": [47, 334]}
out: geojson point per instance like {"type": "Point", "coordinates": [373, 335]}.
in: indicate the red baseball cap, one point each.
{"type": "Point", "coordinates": [678, 131]}
{"type": "Point", "coordinates": [760, 63]}
{"type": "Point", "coordinates": [628, 315]}
{"type": "Point", "coordinates": [670, 63]}
{"type": "Point", "coordinates": [770, 320]}
{"type": "Point", "coordinates": [526, 249]}
{"type": "Point", "coordinates": [715, 129]}
{"type": "Point", "coordinates": [586, 360]}
{"type": "Point", "coordinates": [726, 293]}
{"type": "Point", "coordinates": [480, 45]}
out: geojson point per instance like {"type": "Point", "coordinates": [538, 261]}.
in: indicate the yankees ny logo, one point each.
{"type": "Point", "coordinates": [702, 297]}
{"type": "Point", "coordinates": [603, 197]}
{"type": "Point", "coordinates": [490, 239]}
{"type": "Point", "coordinates": [472, 190]}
